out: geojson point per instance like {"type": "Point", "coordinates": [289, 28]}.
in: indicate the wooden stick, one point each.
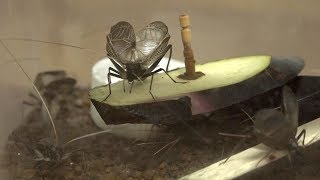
{"type": "Point", "coordinates": [187, 52]}
{"type": "Point", "coordinates": [251, 159]}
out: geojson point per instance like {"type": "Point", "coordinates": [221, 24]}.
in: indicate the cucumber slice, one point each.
{"type": "Point", "coordinates": [217, 74]}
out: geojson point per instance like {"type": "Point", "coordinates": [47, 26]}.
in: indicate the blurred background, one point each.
{"type": "Point", "coordinates": [220, 29]}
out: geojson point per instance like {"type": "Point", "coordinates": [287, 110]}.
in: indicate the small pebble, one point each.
{"type": "Point", "coordinates": [111, 176]}
{"type": "Point", "coordinates": [158, 178]}
{"type": "Point", "coordinates": [78, 102]}
{"type": "Point", "coordinates": [148, 174]}
{"type": "Point", "coordinates": [162, 165]}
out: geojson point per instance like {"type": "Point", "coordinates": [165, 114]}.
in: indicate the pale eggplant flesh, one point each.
{"type": "Point", "coordinates": [169, 112]}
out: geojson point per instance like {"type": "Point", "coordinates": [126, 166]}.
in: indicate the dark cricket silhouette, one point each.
{"type": "Point", "coordinates": [136, 57]}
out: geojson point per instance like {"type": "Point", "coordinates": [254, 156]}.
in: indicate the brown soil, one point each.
{"type": "Point", "coordinates": [107, 156]}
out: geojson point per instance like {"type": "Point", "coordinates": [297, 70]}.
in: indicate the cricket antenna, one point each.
{"type": "Point", "coordinates": [53, 43]}
{"type": "Point", "coordinates": [247, 115]}
{"type": "Point", "coordinates": [36, 89]}
{"type": "Point", "coordinates": [86, 136]}
{"type": "Point", "coordinates": [171, 144]}
{"type": "Point", "coordinates": [301, 99]}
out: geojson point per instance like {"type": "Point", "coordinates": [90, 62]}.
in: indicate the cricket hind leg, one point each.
{"type": "Point", "coordinates": [235, 148]}
{"type": "Point", "coordinates": [109, 80]}
{"type": "Point", "coordinates": [151, 82]}
{"type": "Point", "coordinates": [265, 156]}
{"type": "Point", "coordinates": [294, 147]}
{"type": "Point", "coordinates": [169, 59]}
{"type": "Point", "coordinates": [302, 133]}
{"type": "Point", "coordinates": [131, 86]}
{"type": "Point", "coordinates": [161, 69]}
{"type": "Point", "coordinates": [297, 155]}
{"type": "Point", "coordinates": [150, 88]}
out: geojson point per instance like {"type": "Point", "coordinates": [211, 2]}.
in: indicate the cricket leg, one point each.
{"type": "Point", "coordinates": [169, 59]}
{"type": "Point", "coordinates": [154, 72]}
{"type": "Point", "coordinates": [150, 88]}
{"type": "Point", "coordinates": [124, 87]}
{"type": "Point", "coordinates": [131, 86]}
{"type": "Point", "coordinates": [265, 156]}
{"type": "Point", "coordinates": [151, 82]}
{"type": "Point", "coordinates": [109, 80]}
{"type": "Point", "coordinates": [302, 133]}
{"type": "Point", "coordinates": [161, 69]}
{"type": "Point", "coordinates": [238, 146]}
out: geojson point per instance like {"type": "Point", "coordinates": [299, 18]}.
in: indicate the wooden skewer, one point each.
{"type": "Point", "coordinates": [187, 52]}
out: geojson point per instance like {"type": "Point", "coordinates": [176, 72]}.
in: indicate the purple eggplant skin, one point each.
{"type": "Point", "coordinates": [305, 88]}
{"type": "Point", "coordinates": [164, 112]}
{"type": "Point", "coordinates": [278, 73]}
{"type": "Point", "coordinates": [159, 113]}
{"type": "Point", "coordinates": [307, 93]}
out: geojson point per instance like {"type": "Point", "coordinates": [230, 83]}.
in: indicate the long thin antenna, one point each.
{"type": "Point", "coordinates": [150, 143]}
{"type": "Point", "coordinates": [301, 99]}
{"type": "Point", "coordinates": [86, 136]}
{"type": "Point", "coordinates": [172, 143]}
{"type": "Point", "coordinates": [36, 89]}
{"type": "Point", "coordinates": [54, 43]}
{"type": "Point", "coordinates": [247, 115]}
{"type": "Point", "coordinates": [235, 135]}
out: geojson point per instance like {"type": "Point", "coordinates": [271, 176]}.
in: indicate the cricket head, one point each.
{"type": "Point", "coordinates": [134, 72]}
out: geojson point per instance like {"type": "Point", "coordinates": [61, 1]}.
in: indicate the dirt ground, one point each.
{"type": "Point", "coordinates": [172, 154]}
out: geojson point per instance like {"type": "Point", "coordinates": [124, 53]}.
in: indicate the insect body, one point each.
{"type": "Point", "coordinates": [53, 153]}
{"type": "Point", "coordinates": [48, 156]}
{"type": "Point", "coordinates": [45, 156]}
{"type": "Point", "coordinates": [277, 129]}
{"type": "Point", "coordinates": [136, 57]}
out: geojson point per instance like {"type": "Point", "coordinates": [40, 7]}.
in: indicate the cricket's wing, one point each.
{"type": "Point", "coordinates": [290, 107]}
{"type": "Point", "coordinates": [152, 42]}
{"type": "Point", "coordinates": [120, 41]}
